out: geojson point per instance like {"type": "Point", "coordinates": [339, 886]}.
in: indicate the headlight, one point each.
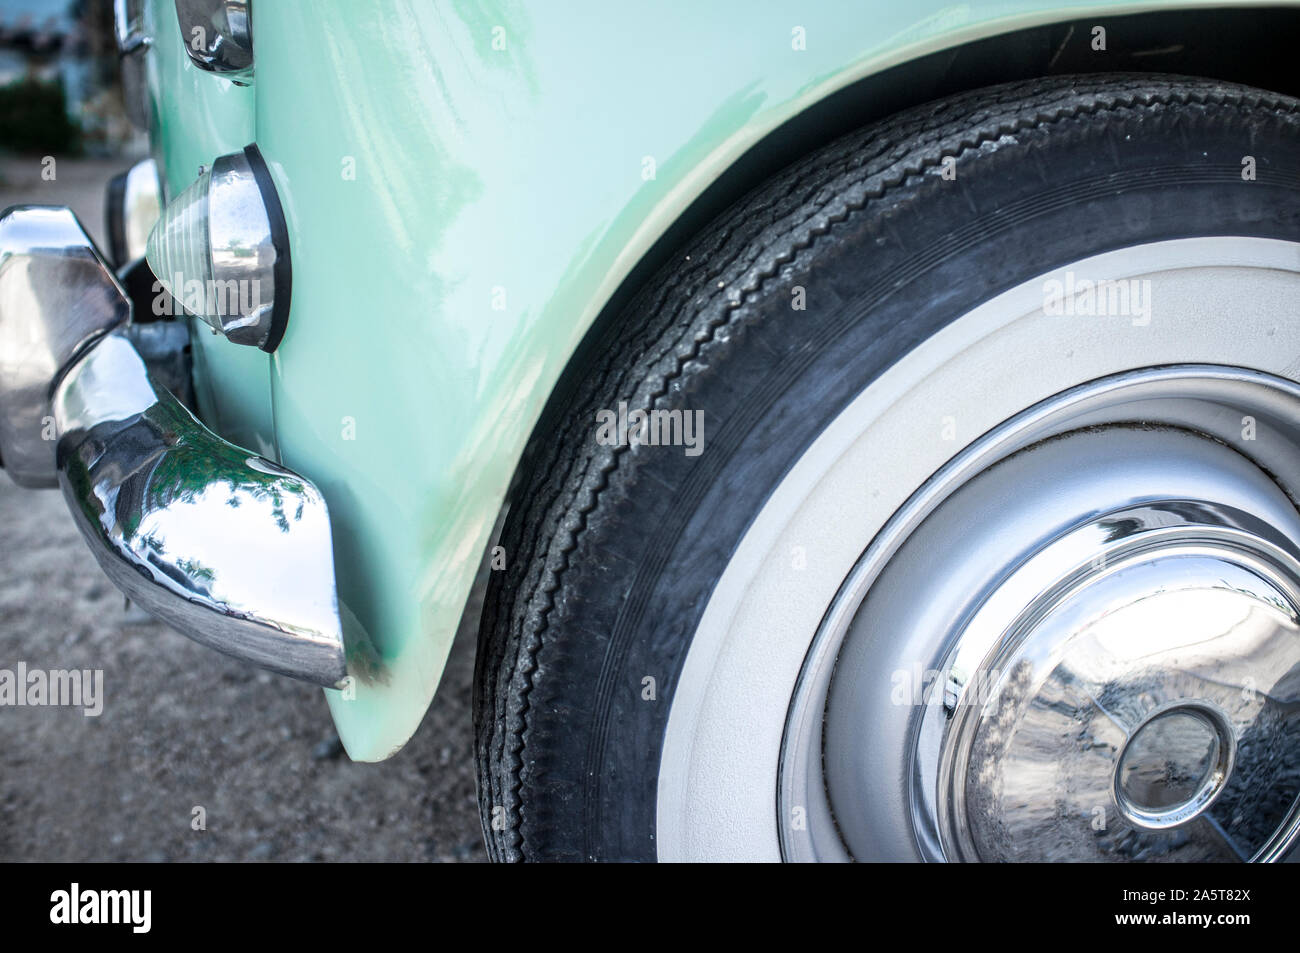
{"type": "Point", "coordinates": [221, 248]}
{"type": "Point", "coordinates": [134, 203]}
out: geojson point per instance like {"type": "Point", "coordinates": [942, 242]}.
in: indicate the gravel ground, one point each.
{"type": "Point", "coordinates": [184, 727]}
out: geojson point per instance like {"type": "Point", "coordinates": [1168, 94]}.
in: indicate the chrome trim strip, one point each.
{"type": "Point", "coordinates": [127, 26]}
{"type": "Point", "coordinates": [132, 44]}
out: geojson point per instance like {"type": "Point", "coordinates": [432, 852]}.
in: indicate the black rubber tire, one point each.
{"type": "Point", "coordinates": [613, 551]}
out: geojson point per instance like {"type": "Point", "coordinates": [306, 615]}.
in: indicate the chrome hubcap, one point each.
{"type": "Point", "coordinates": [1087, 628]}
{"type": "Point", "coordinates": [1127, 692]}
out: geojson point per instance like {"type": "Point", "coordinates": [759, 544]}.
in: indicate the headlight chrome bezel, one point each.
{"type": "Point", "coordinates": [221, 249]}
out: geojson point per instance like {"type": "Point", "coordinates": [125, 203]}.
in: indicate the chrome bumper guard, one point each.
{"type": "Point", "coordinates": [230, 549]}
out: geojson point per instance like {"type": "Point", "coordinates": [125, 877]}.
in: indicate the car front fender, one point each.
{"type": "Point", "coordinates": [466, 187]}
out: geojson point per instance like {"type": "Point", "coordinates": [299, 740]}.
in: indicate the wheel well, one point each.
{"type": "Point", "coordinates": [1251, 46]}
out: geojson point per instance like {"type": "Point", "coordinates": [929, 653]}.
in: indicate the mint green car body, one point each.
{"type": "Point", "coordinates": [466, 185]}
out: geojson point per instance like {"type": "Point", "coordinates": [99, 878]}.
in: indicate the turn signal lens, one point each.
{"type": "Point", "coordinates": [221, 250]}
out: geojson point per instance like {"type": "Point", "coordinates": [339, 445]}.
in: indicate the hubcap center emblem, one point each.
{"type": "Point", "coordinates": [1173, 766]}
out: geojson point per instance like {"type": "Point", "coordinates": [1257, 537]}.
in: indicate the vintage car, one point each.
{"type": "Point", "coordinates": [876, 425]}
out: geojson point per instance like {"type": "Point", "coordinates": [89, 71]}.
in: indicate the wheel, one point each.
{"type": "Point", "coordinates": [980, 543]}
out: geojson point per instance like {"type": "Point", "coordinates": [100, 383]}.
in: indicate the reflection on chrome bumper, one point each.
{"type": "Point", "coordinates": [232, 550]}
{"type": "Point", "coordinates": [56, 297]}
{"type": "Point", "coordinates": [229, 548]}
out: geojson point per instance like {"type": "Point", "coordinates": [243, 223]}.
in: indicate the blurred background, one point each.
{"type": "Point", "coordinates": [58, 80]}
{"type": "Point", "coordinates": [182, 727]}
{"type": "Point", "coordinates": [60, 97]}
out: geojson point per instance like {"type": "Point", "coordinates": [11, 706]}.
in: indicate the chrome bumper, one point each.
{"type": "Point", "coordinates": [230, 549]}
